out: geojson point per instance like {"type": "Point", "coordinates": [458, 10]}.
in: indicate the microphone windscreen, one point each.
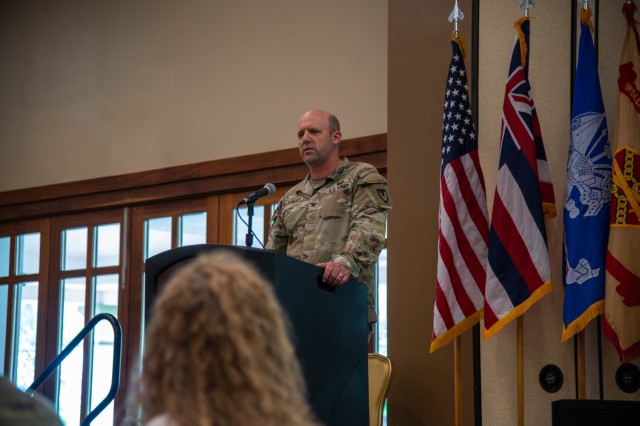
{"type": "Point", "coordinates": [271, 188]}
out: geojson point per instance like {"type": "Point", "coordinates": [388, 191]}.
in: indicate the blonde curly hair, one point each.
{"type": "Point", "coordinates": [218, 351]}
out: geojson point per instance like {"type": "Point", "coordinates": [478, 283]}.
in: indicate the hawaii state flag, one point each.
{"type": "Point", "coordinates": [518, 273]}
{"type": "Point", "coordinates": [463, 216]}
{"type": "Point", "coordinates": [586, 206]}
{"type": "Point", "coordinates": [622, 289]}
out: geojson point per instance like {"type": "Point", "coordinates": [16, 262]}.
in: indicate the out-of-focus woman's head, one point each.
{"type": "Point", "coordinates": [218, 351]}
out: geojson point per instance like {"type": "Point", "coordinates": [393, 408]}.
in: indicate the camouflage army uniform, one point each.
{"type": "Point", "coordinates": [340, 218]}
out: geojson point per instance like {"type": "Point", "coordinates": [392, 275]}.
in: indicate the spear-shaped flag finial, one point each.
{"type": "Point", "coordinates": [526, 5]}
{"type": "Point", "coordinates": [455, 17]}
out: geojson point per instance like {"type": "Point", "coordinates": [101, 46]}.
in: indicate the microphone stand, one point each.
{"type": "Point", "coordinates": [249, 236]}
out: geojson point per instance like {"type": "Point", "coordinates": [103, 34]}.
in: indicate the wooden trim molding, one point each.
{"type": "Point", "coordinates": [200, 179]}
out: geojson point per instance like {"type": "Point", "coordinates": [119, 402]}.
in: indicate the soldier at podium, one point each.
{"type": "Point", "coordinates": [336, 216]}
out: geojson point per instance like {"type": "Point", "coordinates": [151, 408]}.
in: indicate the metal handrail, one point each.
{"type": "Point", "coordinates": [117, 358]}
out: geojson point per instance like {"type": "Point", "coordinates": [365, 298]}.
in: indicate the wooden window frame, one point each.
{"type": "Point", "coordinates": [13, 230]}
{"type": "Point", "coordinates": [56, 275]}
{"type": "Point", "coordinates": [216, 182]}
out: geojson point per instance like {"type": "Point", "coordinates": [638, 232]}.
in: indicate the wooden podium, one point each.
{"type": "Point", "coordinates": [329, 324]}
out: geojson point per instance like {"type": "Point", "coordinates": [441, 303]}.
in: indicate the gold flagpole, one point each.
{"type": "Point", "coordinates": [457, 355]}
{"type": "Point", "coordinates": [581, 379]}
{"type": "Point", "coordinates": [456, 16]}
{"type": "Point", "coordinates": [520, 368]}
{"type": "Point", "coordinates": [525, 5]}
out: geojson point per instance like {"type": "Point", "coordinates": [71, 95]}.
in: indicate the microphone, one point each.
{"type": "Point", "coordinates": [268, 189]}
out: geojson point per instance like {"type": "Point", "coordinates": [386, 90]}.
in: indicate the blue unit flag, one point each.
{"type": "Point", "coordinates": [588, 196]}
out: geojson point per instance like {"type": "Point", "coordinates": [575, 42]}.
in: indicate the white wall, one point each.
{"type": "Point", "coordinates": [91, 88]}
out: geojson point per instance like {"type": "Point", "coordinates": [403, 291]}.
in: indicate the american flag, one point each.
{"type": "Point", "coordinates": [463, 217]}
{"type": "Point", "coordinates": [518, 273]}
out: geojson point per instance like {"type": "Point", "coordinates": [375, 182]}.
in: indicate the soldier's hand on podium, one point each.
{"type": "Point", "coordinates": [335, 274]}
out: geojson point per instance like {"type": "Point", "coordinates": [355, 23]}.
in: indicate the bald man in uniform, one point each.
{"type": "Point", "coordinates": [336, 216]}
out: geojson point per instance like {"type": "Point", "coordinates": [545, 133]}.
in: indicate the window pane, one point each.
{"type": "Point", "coordinates": [28, 256]}
{"type": "Point", "coordinates": [157, 235]}
{"type": "Point", "coordinates": [193, 229]}
{"type": "Point", "coordinates": [73, 308]}
{"type": "Point", "coordinates": [5, 244]}
{"type": "Point", "coordinates": [26, 319]}
{"type": "Point", "coordinates": [106, 301]}
{"type": "Point", "coordinates": [4, 306]}
{"type": "Point", "coordinates": [107, 251]}
{"type": "Point", "coordinates": [74, 249]}
{"type": "Point", "coordinates": [382, 303]}
{"type": "Point", "coordinates": [241, 228]}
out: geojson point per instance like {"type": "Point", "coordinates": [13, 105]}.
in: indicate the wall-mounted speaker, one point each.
{"type": "Point", "coordinates": [551, 378]}
{"type": "Point", "coordinates": [628, 378]}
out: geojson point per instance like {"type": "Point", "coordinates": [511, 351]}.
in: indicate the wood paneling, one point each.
{"type": "Point", "coordinates": [219, 176]}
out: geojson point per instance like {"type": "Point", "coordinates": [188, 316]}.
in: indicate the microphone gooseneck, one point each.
{"type": "Point", "coordinates": [268, 189]}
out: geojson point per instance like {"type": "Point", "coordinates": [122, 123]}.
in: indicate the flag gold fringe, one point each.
{"type": "Point", "coordinates": [523, 45]}
{"type": "Point", "coordinates": [585, 18]}
{"type": "Point", "coordinates": [460, 40]}
{"type": "Point", "coordinates": [540, 292]}
{"type": "Point", "coordinates": [581, 322]}
{"type": "Point", "coordinates": [549, 211]}
{"type": "Point", "coordinates": [455, 331]}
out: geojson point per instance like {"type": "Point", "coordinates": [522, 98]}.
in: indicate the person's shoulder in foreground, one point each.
{"type": "Point", "coordinates": [20, 409]}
